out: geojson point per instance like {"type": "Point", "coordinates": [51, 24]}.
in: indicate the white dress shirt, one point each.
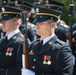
{"type": "Point", "coordinates": [12, 34]}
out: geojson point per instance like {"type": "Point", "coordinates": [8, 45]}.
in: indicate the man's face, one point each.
{"type": "Point", "coordinates": [43, 28]}
{"type": "Point", "coordinates": [7, 26]}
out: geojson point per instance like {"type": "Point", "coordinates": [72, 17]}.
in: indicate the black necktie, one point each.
{"type": "Point", "coordinates": [40, 44]}
{"type": "Point", "coordinates": [5, 38]}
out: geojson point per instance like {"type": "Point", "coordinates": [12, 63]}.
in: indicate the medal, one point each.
{"type": "Point", "coordinates": [49, 58]}
{"type": "Point", "coordinates": [44, 62]}
{"type": "Point", "coordinates": [10, 54]}
{"type": "Point", "coordinates": [7, 53]}
{"type": "Point", "coordinates": [44, 59]}
{"type": "Point", "coordinates": [49, 62]}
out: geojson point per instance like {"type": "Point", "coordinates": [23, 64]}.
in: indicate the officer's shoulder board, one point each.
{"type": "Point", "coordinates": [35, 42]}
{"type": "Point", "coordinates": [60, 42]}
{"type": "Point", "coordinates": [64, 45]}
{"type": "Point", "coordinates": [22, 36]}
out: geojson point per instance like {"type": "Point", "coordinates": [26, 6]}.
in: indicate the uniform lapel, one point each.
{"type": "Point", "coordinates": [36, 48]}
{"type": "Point", "coordinates": [48, 45]}
{"type": "Point", "coordinates": [2, 43]}
{"type": "Point", "coordinates": [10, 41]}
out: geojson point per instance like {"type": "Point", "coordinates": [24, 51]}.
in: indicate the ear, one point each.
{"type": "Point", "coordinates": [54, 24]}
{"type": "Point", "coordinates": [16, 23]}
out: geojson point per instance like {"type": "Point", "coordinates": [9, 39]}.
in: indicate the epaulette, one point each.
{"type": "Point", "coordinates": [60, 42]}
{"type": "Point", "coordinates": [22, 36]}
{"type": "Point", "coordinates": [64, 46]}
{"type": "Point", "coordinates": [34, 42]}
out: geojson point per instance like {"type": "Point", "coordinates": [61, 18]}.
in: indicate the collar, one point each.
{"type": "Point", "coordinates": [12, 34]}
{"type": "Point", "coordinates": [47, 39]}
{"type": "Point", "coordinates": [58, 21]}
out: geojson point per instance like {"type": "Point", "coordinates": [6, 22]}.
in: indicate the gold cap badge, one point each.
{"type": "Point", "coordinates": [37, 10]}
{"type": "Point", "coordinates": [3, 9]}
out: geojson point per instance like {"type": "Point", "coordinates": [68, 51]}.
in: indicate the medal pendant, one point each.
{"type": "Point", "coordinates": [44, 62]}
{"type": "Point", "coordinates": [7, 53]}
{"type": "Point", "coordinates": [10, 54]}
{"type": "Point", "coordinates": [49, 62]}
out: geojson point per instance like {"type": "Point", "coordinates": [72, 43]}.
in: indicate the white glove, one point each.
{"type": "Point", "coordinates": [27, 72]}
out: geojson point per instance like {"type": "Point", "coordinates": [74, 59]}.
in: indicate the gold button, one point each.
{"type": "Point", "coordinates": [33, 67]}
{"type": "Point", "coordinates": [34, 59]}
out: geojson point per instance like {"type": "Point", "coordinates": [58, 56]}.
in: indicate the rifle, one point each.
{"type": "Point", "coordinates": [71, 7]}
{"type": "Point", "coordinates": [25, 55]}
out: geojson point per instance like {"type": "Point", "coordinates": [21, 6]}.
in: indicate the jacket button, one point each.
{"type": "Point", "coordinates": [33, 67]}
{"type": "Point", "coordinates": [34, 59]}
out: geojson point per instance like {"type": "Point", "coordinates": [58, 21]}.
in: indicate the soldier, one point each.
{"type": "Point", "coordinates": [62, 29]}
{"type": "Point", "coordinates": [11, 46]}
{"type": "Point", "coordinates": [30, 27]}
{"type": "Point", "coordinates": [53, 56]}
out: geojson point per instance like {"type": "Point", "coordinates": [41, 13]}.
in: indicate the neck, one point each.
{"type": "Point", "coordinates": [47, 35]}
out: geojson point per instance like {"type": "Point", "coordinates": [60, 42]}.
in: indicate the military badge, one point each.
{"type": "Point", "coordinates": [10, 54]}
{"type": "Point", "coordinates": [9, 51]}
{"type": "Point", "coordinates": [49, 62]}
{"type": "Point", "coordinates": [31, 52]}
{"type": "Point", "coordinates": [46, 60]}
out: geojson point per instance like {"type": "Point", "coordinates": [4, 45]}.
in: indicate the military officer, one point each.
{"type": "Point", "coordinates": [11, 46]}
{"type": "Point", "coordinates": [49, 55]}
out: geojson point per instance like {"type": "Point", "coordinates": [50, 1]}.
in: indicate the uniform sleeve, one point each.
{"type": "Point", "coordinates": [17, 69]}
{"type": "Point", "coordinates": [63, 64]}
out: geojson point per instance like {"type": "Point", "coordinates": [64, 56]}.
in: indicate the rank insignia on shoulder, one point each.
{"type": "Point", "coordinates": [31, 52]}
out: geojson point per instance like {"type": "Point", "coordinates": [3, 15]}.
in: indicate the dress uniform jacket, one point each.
{"type": "Point", "coordinates": [11, 55]}
{"type": "Point", "coordinates": [55, 58]}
